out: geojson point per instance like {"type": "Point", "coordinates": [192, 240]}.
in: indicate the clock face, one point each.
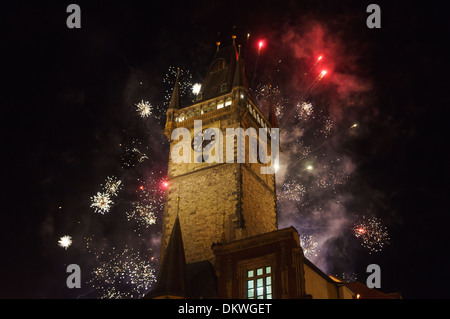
{"type": "Point", "coordinates": [199, 143]}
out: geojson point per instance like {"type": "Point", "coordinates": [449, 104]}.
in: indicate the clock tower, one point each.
{"type": "Point", "coordinates": [216, 197]}
{"type": "Point", "coordinates": [220, 237]}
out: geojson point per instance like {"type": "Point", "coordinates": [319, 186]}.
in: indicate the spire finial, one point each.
{"type": "Point", "coordinates": [218, 44]}
{"type": "Point", "coordinates": [234, 39]}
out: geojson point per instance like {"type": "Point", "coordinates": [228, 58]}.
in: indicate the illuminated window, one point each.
{"type": "Point", "coordinates": [220, 104]}
{"type": "Point", "coordinates": [204, 109]}
{"type": "Point", "coordinates": [259, 283]}
{"type": "Point", "coordinates": [212, 106]}
{"type": "Point", "coordinates": [181, 117]}
{"type": "Point", "coordinates": [228, 102]}
{"type": "Point", "coordinates": [197, 111]}
{"type": "Point", "coordinates": [189, 114]}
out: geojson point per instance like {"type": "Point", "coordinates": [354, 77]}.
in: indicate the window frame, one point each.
{"type": "Point", "coordinates": [228, 102]}
{"type": "Point", "coordinates": [253, 264]}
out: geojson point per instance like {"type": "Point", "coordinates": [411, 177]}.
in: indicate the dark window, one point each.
{"type": "Point", "coordinates": [218, 65]}
{"type": "Point", "coordinates": [223, 87]}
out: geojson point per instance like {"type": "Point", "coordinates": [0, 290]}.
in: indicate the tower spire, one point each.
{"type": "Point", "coordinates": [172, 277]}
{"type": "Point", "coordinates": [239, 73]}
{"type": "Point", "coordinates": [175, 99]}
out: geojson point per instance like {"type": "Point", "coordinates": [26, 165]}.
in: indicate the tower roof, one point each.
{"type": "Point", "coordinates": [225, 72]}
{"type": "Point", "coordinates": [175, 99]}
{"type": "Point", "coordinates": [172, 277]}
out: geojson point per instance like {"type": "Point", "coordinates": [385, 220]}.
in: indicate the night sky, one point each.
{"type": "Point", "coordinates": [70, 121]}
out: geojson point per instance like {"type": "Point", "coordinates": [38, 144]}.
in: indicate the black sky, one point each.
{"type": "Point", "coordinates": [65, 95]}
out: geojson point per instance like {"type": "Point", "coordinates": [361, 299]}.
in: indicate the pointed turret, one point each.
{"type": "Point", "coordinates": [173, 106]}
{"type": "Point", "coordinates": [272, 115]}
{"type": "Point", "coordinates": [175, 99]}
{"type": "Point", "coordinates": [239, 73]}
{"type": "Point", "coordinates": [172, 280]}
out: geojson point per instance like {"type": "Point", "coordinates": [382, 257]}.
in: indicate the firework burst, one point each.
{"type": "Point", "coordinates": [144, 109]}
{"type": "Point", "coordinates": [309, 246]}
{"type": "Point", "coordinates": [125, 274]}
{"type": "Point", "coordinates": [101, 202]}
{"type": "Point", "coordinates": [143, 214]}
{"type": "Point", "coordinates": [292, 191]}
{"type": "Point", "coordinates": [373, 234]}
{"type": "Point", "coordinates": [134, 152]}
{"type": "Point", "coordinates": [112, 186]}
{"type": "Point", "coordinates": [65, 242]}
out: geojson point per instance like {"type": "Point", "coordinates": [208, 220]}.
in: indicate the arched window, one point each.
{"type": "Point", "coordinates": [181, 117]}
{"type": "Point", "coordinates": [189, 114]}
{"type": "Point", "coordinates": [204, 109]}
{"type": "Point", "coordinates": [223, 87]}
{"type": "Point", "coordinates": [228, 101]}
{"type": "Point", "coordinates": [197, 111]}
{"type": "Point", "coordinates": [220, 104]}
{"type": "Point", "coordinates": [212, 106]}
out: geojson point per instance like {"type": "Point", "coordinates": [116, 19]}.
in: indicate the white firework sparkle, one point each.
{"type": "Point", "coordinates": [124, 274]}
{"type": "Point", "coordinates": [112, 185]}
{"type": "Point", "coordinates": [101, 202]}
{"type": "Point", "coordinates": [144, 108]}
{"type": "Point", "coordinates": [65, 242]}
{"type": "Point", "coordinates": [309, 246]}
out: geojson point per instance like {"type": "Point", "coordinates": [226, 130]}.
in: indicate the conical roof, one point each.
{"type": "Point", "coordinates": [172, 277]}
